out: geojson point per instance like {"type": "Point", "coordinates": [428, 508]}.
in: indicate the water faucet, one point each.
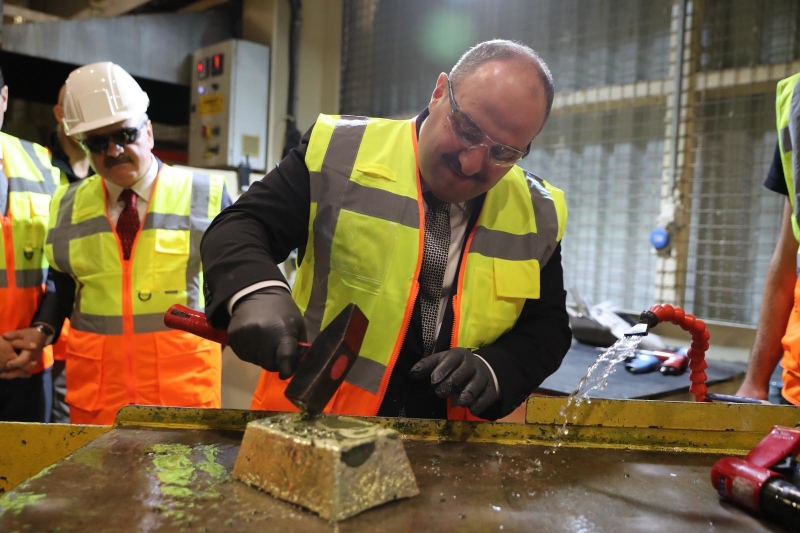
{"type": "Point", "coordinates": [697, 352]}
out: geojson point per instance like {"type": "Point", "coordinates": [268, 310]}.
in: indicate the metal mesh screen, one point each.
{"type": "Point", "coordinates": [607, 142]}
{"type": "Point", "coordinates": [735, 220]}
{"type": "Point", "coordinates": [607, 163]}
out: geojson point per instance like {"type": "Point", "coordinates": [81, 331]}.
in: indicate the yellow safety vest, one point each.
{"type": "Point", "coordinates": [787, 108]}
{"type": "Point", "coordinates": [365, 243]}
{"type": "Point", "coordinates": [119, 351]}
{"type": "Point", "coordinates": [23, 267]}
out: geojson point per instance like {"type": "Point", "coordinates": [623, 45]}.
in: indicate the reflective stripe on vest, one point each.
{"type": "Point", "coordinates": [788, 117]}
{"type": "Point", "coordinates": [165, 267]}
{"type": "Point", "coordinates": [23, 267]}
{"type": "Point", "coordinates": [365, 241]}
{"type": "Point", "coordinates": [119, 351]}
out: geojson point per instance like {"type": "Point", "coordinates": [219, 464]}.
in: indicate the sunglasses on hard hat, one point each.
{"type": "Point", "coordinates": [98, 144]}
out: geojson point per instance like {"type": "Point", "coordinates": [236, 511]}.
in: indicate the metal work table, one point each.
{"type": "Point", "coordinates": [162, 469]}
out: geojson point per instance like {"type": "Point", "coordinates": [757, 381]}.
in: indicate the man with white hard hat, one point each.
{"type": "Point", "coordinates": [126, 242]}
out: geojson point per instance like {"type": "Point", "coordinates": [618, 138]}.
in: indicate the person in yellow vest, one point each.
{"type": "Point", "coordinates": [778, 332]}
{"type": "Point", "coordinates": [27, 181]}
{"type": "Point", "coordinates": [450, 249]}
{"type": "Point", "coordinates": [126, 242]}
{"type": "Point", "coordinates": [73, 162]}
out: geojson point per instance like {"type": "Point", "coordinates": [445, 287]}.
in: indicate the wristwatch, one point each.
{"type": "Point", "coordinates": [47, 331]}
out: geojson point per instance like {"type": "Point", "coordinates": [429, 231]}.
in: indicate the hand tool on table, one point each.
{"type": "Point", "coordinates": [715, 397]}
{"type": "Point", "coordinates": [642, 363]}
{"type": "Point", "coordinates": [767, 480]}
{"type": "Point", "coordinates": [323, 366]}
{"type": "Point", "coordinates": [668, 363]}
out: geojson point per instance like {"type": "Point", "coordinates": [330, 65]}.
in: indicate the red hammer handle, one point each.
{"type": "Point", "coordinates": [194, 322]}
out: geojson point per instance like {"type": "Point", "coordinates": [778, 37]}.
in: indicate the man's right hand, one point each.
{"type": "Point", "coordinates": [265, 328]}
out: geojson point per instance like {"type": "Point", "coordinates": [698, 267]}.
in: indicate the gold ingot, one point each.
{"type": "Point", "coordinates": [335, 466]}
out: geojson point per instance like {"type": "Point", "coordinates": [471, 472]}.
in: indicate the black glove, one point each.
{"type": "Point", "coordinates": [461, 373]}
{"type": "Point", "coordinates": [265, 328]}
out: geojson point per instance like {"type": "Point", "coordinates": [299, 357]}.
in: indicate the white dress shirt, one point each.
{"type": "Point", "coordinates": [142, 188]}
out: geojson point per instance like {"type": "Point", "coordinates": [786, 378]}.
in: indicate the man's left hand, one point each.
{"type": "Point", "coordinates": [29, 343]}
{"type": "Point", "coordinates": [462, 374]}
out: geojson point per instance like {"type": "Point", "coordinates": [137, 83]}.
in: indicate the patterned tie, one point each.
{"type": "Point", "coordinates": [3, 191]}
{"type": "Point", "coordinates": [128, 222]}
{"type": "Point", "coordinates": [434, 264]}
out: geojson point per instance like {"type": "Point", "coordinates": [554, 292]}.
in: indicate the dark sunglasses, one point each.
{"type": "Point", "coordinates": [98, 144]}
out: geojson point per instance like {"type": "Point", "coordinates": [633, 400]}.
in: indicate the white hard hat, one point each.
{"type": "Point", "coordinates": [101, 94]}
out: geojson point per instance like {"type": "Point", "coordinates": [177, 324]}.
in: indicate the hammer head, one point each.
{"type": "Point", "coordinates": [327, 362]}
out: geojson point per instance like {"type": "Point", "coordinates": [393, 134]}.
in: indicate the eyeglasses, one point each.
{"type": "Point", "coordinates": [98, 144]}
{"type": "Point", "coordinates": [471, 135]}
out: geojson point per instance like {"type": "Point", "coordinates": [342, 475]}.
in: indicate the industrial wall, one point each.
{"type": "Point", "coordinates": [630, 151]}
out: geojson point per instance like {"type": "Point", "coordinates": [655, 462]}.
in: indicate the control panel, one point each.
{"type": "Point", "coordinates": [229, 102]}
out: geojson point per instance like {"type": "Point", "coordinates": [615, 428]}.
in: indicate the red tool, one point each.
{"type": "Point", "coordinates": [700, 336]}
{"type": "Point", "coordinates": [766, 480]}
{"type": "Point", "coordinates": [668, 363]}
{"type": "Point", "coordinates": [323, 365]}
{"type": "Point", "coordinates": [672, 364]}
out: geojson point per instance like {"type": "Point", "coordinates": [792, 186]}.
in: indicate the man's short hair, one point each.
{"type": "Point", "coordinates": [504, 50]}
{"type": "Point", "coordinates": [2, 80]}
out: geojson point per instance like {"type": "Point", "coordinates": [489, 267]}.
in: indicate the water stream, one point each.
{"type": "Point", "coordinates": [596, 378]}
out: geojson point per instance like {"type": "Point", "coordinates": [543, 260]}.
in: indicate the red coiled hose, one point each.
{"type": "Point", "coordinates": [697, 351]}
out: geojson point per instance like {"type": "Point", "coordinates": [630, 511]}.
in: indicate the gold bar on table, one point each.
{"type": "Point", "coordinates": [333, 465]}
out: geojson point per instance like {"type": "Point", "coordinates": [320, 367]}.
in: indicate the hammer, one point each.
{"type": "Point", "coordinates": [323, 366]}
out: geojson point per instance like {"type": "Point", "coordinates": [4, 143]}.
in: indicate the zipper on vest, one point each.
{"type": "Point", "coordinates": [400, 342]}
{"type": "Point", "coordinates": [456, 302]}
{"type": "Point", "coordinates": [462, 270]}
{"type": "Point", "coordinates": [127, 328]}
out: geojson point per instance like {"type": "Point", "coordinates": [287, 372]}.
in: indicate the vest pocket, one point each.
{"type": "Point", "coordinates": [84, 370]}
{"type": "Point", "coordinates": [362, 249]}
{"type": "Point", "coordinates": [516, 279]}
{"type": "Point", "coordinates": [188, 370]}
{"type": "Point", "coordinates": [40, 205]}
{"type": "Point", "coordinates": [169, 260]}
{"type": "Point", "coordinates": [494, 299]}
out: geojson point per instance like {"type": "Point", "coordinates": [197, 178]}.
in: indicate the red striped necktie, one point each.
{"type": "Point", "coordinates": [128, 222]}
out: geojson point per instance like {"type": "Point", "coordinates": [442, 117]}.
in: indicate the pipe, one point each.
{"type": "Point", "coordinates": [697, 352]}
{"type": "Point", "coordinates": [676, 104]}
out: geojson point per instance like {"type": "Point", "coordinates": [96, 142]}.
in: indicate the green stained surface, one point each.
{"type": "Point", "coordinates": [211, 466]}
{"type": "Point", "coordinates": [15, 502]}
{"type": "Point", "coordinates": [178, 469]}
{"type": "Point", "coordinates": [175, 469]}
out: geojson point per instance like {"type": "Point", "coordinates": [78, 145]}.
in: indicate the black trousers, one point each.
{"type": "Point", "coordinates": [26, 399]}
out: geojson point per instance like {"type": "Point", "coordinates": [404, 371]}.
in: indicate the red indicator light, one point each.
{"type": "Point", "coordinates": [217, 64]}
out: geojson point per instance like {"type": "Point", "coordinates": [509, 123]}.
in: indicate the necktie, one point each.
{"type": "Point", "coordinates": [128, 222]}
{"type": "Point", "coordinates": [434, 264]}
{"type": "Point", "coordinates": [3, 191]}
